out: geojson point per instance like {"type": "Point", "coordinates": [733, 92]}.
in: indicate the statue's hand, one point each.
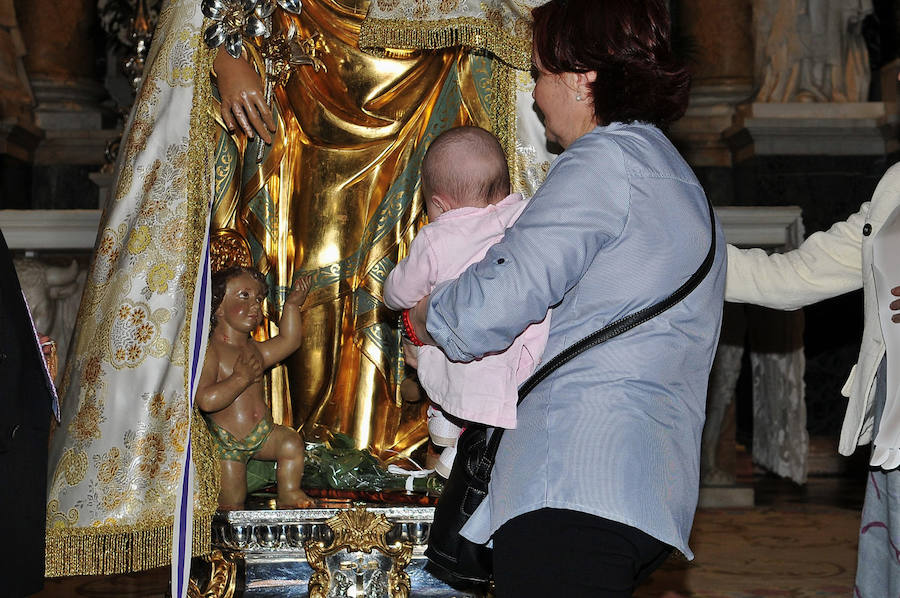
{"type": "Point", "coordinates": [895, 305]}
{"type": "Point", "coordinates": [299, 291]}
{"type": "Point", "coordinates": [243, 100]}
{"type": "Point", "coordinates": [248, 365]}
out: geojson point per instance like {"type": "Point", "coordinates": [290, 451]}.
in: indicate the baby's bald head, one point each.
{"type": "Point", "coordinates": [465, 166]}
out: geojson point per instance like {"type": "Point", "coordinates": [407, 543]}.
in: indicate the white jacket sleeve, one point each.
{"type": "Point", "coordinates": [827, 264]}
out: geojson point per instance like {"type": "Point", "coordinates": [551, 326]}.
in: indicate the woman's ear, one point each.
{"type": "Point", "coordinates": [586, 79]}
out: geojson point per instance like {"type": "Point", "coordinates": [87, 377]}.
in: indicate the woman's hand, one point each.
{"type": "Point", "coordinates": [243, 100]}
{"type": "Point", "coordinates": [418, 315]}
{"type": "Point", "coordinates": [46, 343]}
{"type": "Point", "coordinates": [895, 304]}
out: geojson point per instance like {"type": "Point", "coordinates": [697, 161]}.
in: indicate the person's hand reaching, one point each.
{"type": "Point", "coordinates": [895, 305]}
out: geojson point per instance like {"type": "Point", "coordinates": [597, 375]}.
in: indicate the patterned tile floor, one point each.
{"type": "Point", "coordinates": [798, 542]}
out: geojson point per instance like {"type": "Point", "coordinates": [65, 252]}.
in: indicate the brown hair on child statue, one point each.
{"type": "Point", "coordinates": [230, 391]}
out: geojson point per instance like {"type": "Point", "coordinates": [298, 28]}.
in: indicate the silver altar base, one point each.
{"type": "Point", "coordinates": [262, 554]}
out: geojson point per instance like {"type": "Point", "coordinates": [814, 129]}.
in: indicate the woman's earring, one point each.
{"type": "Point", "coordinates": [578, 97]}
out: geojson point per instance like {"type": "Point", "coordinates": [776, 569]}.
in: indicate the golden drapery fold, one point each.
{"type": "Point", "coordinates": [336, 196]}
{"type": "Point", "coordinates": [500, 29]}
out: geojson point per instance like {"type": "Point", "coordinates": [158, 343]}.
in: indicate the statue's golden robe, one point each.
{"type": "Point", "coordinates": [132, 478]}
{"type": "Point", "coordinates": [337, 196]}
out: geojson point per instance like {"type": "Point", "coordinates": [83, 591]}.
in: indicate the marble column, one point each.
{"type": "Point", "coordinates": [60, 39]}
{"type": "Point", "coordinates": [720, 53]}
{"type": "Point", "coordinates": [61, 62]}
{"type": "Point", "coordinates": [19, 136]}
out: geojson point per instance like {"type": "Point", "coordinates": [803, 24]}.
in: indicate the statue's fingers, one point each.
{"type": "Point", "coordinates": [265, 112]}
{"type": "Point", "coordinates": [227, 117]}
{"type": "Point", "coordinates": [238, 110]}
{"type": "Point", "coordinates": [253, 107]}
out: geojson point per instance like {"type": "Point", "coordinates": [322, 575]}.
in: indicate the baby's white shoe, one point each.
{"type": "Point", "coordinates": [442, 431]}
{"type": "Point", "coordinates": [445, 461]}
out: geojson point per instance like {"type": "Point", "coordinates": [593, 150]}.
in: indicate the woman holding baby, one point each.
{"type": "Point", "coordinates": [598, 482]}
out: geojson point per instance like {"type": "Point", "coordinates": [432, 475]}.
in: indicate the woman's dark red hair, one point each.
{"type": "Point", "coordinates": [628, 44]}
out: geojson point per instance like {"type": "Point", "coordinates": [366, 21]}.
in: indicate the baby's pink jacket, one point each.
{"type": "Point", "coordinates": [484, 390]}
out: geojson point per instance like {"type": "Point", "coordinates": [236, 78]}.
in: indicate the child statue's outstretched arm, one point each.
{"type": "Point", "coordinates": [214, 395]}
{"type": "Point", "coordinates": [290, 331]}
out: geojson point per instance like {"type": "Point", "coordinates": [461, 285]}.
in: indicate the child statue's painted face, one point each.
{"type": "Point", "coordinates": [241, 307]}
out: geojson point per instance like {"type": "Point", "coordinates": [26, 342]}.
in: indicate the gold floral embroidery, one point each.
{"type": "Point", "coordinates": [134, 334]}
{"type": "Point", "coordinates": [174, 237]}
{"type": "Point", "coordinates": [178, 428]}
{"type": "Point", "coordinates": [159, 277]}
{"type": "Point", "coordinates": [57, 519]}
{"type": "Point", "coordinates": [153, 225]}
{"type": "Point", "coordinates": [86, 424]}
{"type": "Point", "coordinates": [157, 403]}
{"type": "Point", "coordinates": [151, 453]}
{"type": "Point", "coordinates": [448, 5]}
{"type": "Point", "coordinates": [108, 465]}
{"type": "Point", "coordinates": [92, 372]}
{"type": "Point", "coordinates": [110, 500]}
{"type": "Point", "coordinates": [172, 473]}
{"type": "Point", "coordinates": [139, 240]}
{"type": "Point", "coordinates": [105, 258]}
{"type": "Point", "coordinates": [74, 465]}
{"type": "Point", "coordinates": [150, 178]}
{"type": "Point", "coordinates": [494, 16]}
{"type": "Point", "coordinates": [150, 207]}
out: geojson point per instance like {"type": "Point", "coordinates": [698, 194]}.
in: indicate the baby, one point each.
{"type": "Point", "coordinates": [230, 391]}
{"type": "Point", "coordinates": [465, 181]}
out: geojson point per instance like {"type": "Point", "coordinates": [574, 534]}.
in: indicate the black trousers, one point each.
{"type": "Point", "coordinates": [559, 553]}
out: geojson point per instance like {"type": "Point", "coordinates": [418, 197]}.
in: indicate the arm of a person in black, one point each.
{"type": "Point", "coordinates": [24, 398]}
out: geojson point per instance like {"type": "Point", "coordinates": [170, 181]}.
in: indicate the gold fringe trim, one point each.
{"type": "Point", "coordinates": [108, 550]}
{"type": "Point", "coordinates": [201, 157]}
{"type": "Point", "coordinates": [377, 36]}
{"type": "Point", "coordinates": [503, 109]}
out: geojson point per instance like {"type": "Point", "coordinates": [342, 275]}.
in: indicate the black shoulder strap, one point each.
{"type": "Point", "coordinates": [607, 332]}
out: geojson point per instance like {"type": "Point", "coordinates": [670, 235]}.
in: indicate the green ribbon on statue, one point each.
{"type": "Point", "coordinates": [339, 465]}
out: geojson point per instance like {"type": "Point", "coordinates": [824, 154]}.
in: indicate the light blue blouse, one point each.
{"type": "Point", "coordinates": [619, 224]}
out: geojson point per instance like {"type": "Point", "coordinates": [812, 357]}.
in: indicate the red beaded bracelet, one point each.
{"type": "Point", "coordinates": [407, 329]}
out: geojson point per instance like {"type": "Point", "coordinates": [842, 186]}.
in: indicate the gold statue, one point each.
{"type": "Point", "coordinates": [132, 463]}
{"type": "Point", "coordinates": [336, 196]}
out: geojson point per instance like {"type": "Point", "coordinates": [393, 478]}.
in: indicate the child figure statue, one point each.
{"type": "Point", "coordinates": [230, 392]}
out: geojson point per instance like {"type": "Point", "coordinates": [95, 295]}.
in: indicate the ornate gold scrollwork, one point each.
{"type": "Point", "coordinates": [222, 577]}
{"type": "Point", "coordinates": [356, 530]}
{"type": "Point", "coordinates": [228, 248]}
